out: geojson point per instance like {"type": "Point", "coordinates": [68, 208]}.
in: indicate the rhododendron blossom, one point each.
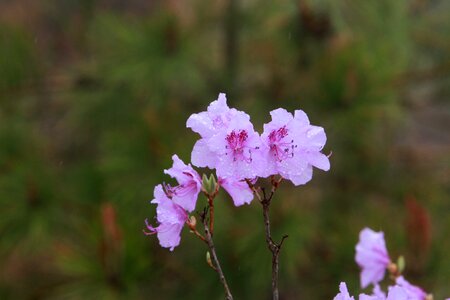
{"type": "Point", "coordinates": [171, 218]}
{"type": "Point", "coordinates": [208, 123]}
{"type": "Point", "coordinates": [371, 256]}
{"type": "Point", "coordinates": [395, 293]}
{"type": "Point", "coordinates": [292, 146]}
{"type": "Point", "coordinates": [229, 143]}
{"type": "Point", "coordinates": [190, 184]}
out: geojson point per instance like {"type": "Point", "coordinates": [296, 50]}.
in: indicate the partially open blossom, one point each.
{"type": "Point", "coordinates": [239, 190]}
{"type": "Point", "coordinates": [190, 184]}
{"type": "Point", "coordinates": [371, 256]}
{"type": "Point", "coordinates": [343, 293]}
{"type": "Point", "coordinates": [413, 292]}
{"type": "Point", "coordinates": [171, 218]}
{"type": "Point", "coordinates": [292, 146]}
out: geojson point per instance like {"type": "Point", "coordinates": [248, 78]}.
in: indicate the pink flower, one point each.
{"type": "Point", "coordinates": [208, 123]}
{"type": "Point", "coordinates": [413, 292]}
{"type": "Point", "coordinates": [371, 256]}
{"type": "Point", "coordinates": [229, 143]}
{"type": "Point", "coordinates": [395, 293]}
{"type": "Point", "coordinates": [190, 184]}
{"type": "Point", "coordinates": [239, 191]}
{"type": "Point", "coordinates": [292, 146]}
{"type": "Point", "coordinates": [171, 218]}
{"type": "Point", "coordinates": [343, 293]}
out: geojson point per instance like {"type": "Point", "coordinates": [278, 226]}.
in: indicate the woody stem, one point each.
{"type": "Point", "coordinates": [215, 259]}
{"type": "Point", "coordinates": [211, 214]}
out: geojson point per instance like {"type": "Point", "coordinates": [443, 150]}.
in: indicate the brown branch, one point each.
{"type": "Point", "coordinates": [274, 247]}
{"type": "Point", "coordinates": [254, 190]}
{"type": "Point", "coordinates": [211, 214]}
{"type": "Point", "coordinates": [215, 260]}
{"type": "Point", "coordinates": [192, 223]}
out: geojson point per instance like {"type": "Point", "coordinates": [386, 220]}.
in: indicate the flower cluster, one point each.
{"type": "Point", "coordinates": [396, 292]}
{"type": "Point", "coordinates": [289, 146]}
{"type": "Point", "coordinates": [373, 259]}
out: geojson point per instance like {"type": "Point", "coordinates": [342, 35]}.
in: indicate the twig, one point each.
{"type": "Point", "coordinates": [212, 250]}
{"type": "Point", "coordinates": [211, 214]}
{"type": "Point", "coordinates": [274, 247]}
{"type": "Point", "coordinates": [194, 231]}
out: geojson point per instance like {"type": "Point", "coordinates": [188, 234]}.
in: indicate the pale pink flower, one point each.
{"type": "Point", "coordinates": [291, 146]}
{"type": "Point", "coordinates": [395, 293]}
{"type": "Point", "coordinates": [190, 184]}
{"type": "Point", "coordinates": [171, 218]}
{"type": "Point", "coordinates": [217, 118]}
{"type": "Point", "coordinates": [371, 256]}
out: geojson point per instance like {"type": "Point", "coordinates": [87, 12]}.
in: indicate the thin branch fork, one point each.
{"type": "Point", "coordinates": [274, 247]}
{"type": "Point", "coordinates": [215, 261]}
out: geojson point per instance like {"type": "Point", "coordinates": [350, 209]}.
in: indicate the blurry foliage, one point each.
{"type": "Point", "coordinates": [90, 117]}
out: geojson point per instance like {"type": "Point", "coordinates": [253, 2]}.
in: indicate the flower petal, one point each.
{"type": "Point", "coordinates": [239, 191]}
{"type": "Point", "coordinates": [202, 156]}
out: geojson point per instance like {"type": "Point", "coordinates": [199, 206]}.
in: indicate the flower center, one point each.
{"type": "Point", "coordinates": [237, 145]}
{"type": "Point", "coordinates": [280, 148]}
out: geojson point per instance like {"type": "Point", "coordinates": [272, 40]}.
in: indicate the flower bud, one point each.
{"type": "Point", "coordinates": [192, 221]}
{"type": "Point", "coordinates": [401, 264]}
{"type": "Point", "coordinates": [209, 185]}
{"type": "Point", "coordinates": [209, 261]}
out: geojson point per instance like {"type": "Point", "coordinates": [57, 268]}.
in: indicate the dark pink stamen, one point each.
{"type": "Point", "coordinates": [279, 148]}
{"type": "Point", "coordinates": [236, 145]}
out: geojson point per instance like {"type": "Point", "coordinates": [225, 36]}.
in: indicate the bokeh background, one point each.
{"type": "Point", "coordinates": [94, 96]}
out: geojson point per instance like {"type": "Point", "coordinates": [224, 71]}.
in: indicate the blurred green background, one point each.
{"type": "Point", "coordinates": [94, 96]}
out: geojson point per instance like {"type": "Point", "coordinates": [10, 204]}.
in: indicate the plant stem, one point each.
{"type": "Point", "coordinates": [273, 247]}
{"type": "Point", "coordinates": [211, 214]}
{"type": "Point", "coordinates": [217, 267]}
